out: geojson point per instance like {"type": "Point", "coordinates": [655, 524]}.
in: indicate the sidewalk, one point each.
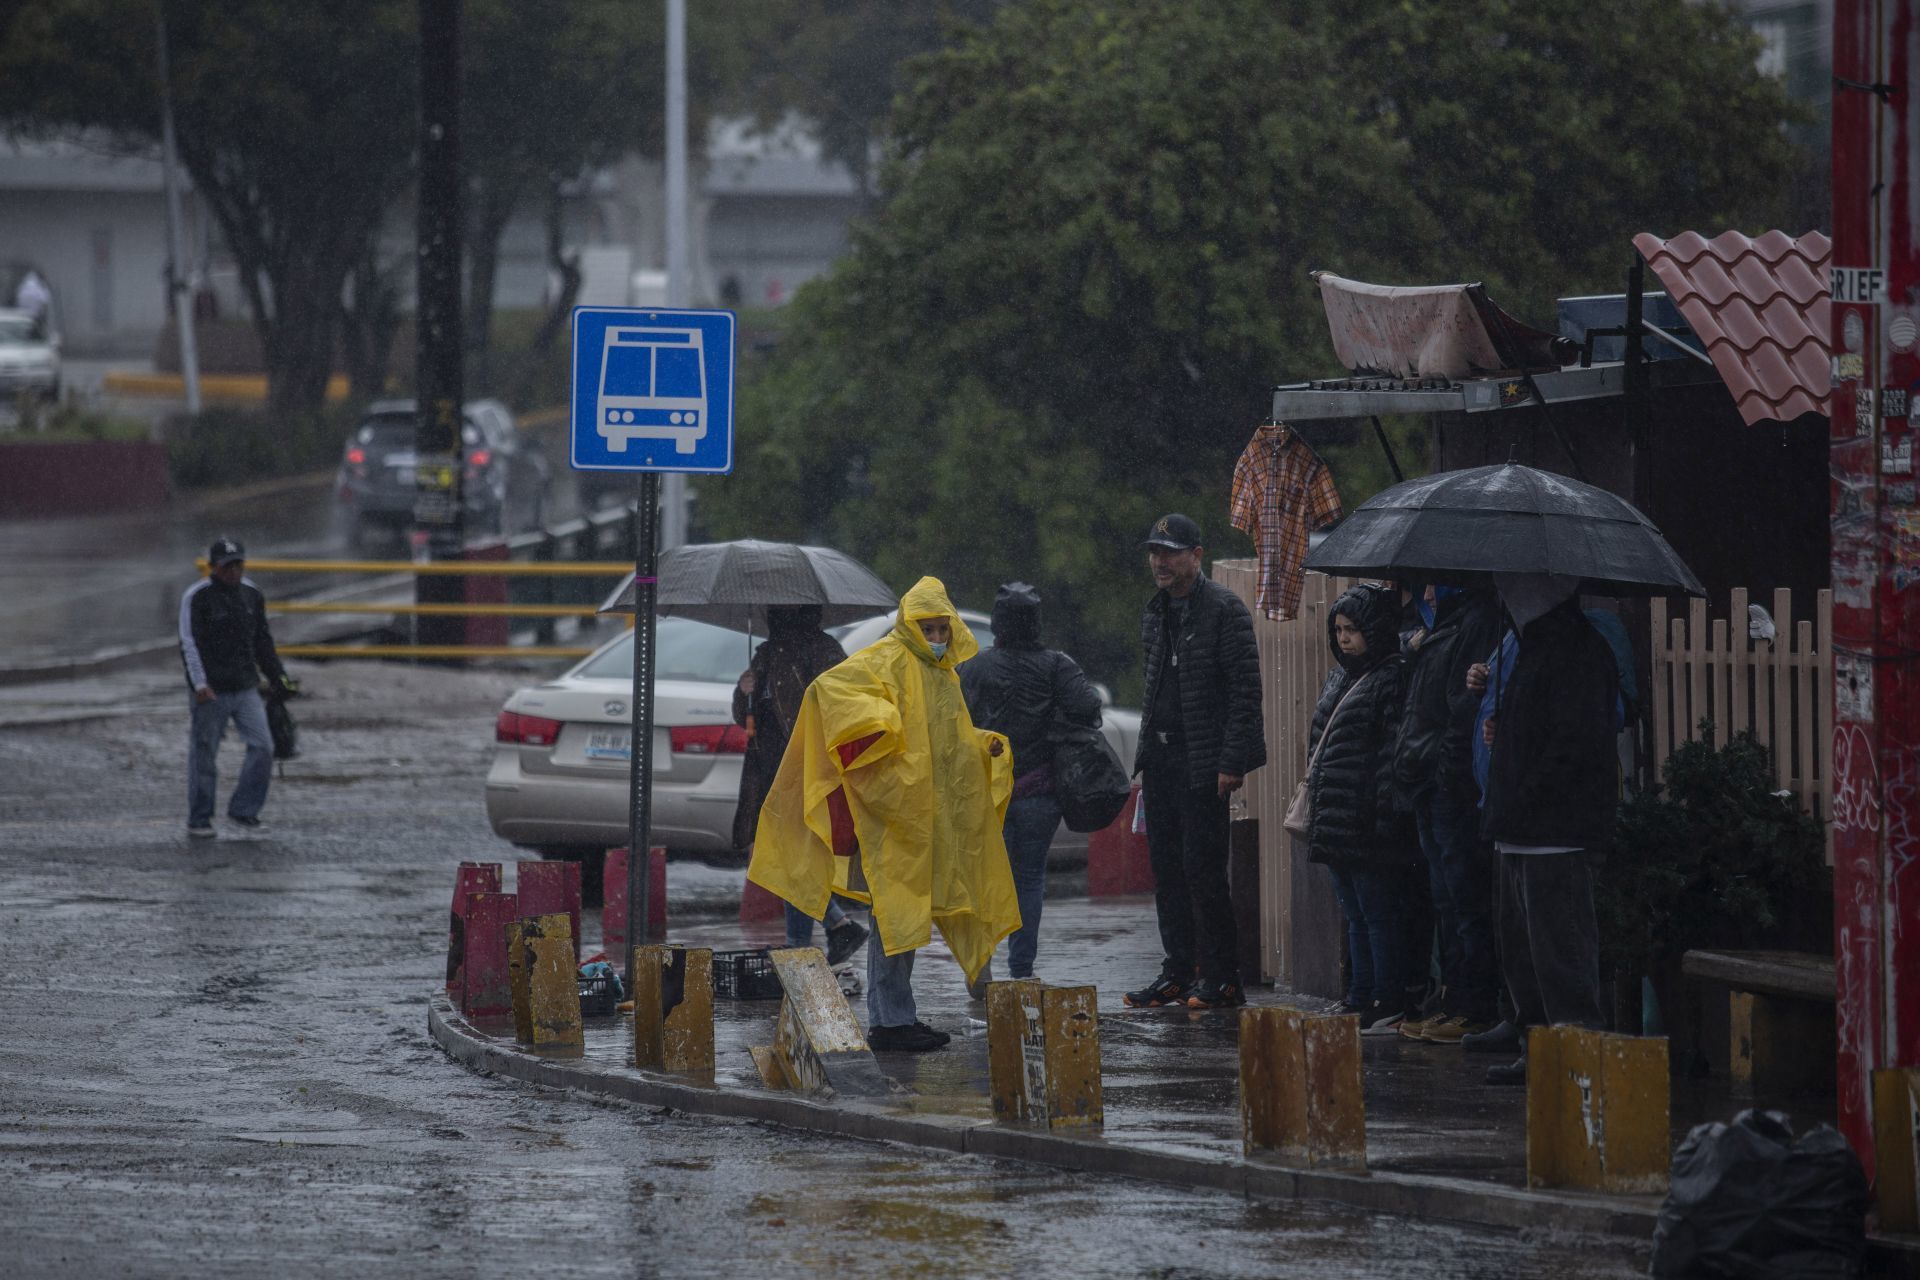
{"type": "Point", "coordinates": [1441, 1143]}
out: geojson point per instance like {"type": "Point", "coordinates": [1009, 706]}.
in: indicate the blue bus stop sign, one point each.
{"type": "Point", "coordinates": [652, 390]}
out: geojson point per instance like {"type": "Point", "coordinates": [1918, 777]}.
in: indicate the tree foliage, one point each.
{"type": "Point", "coordinates": [1090, 263]}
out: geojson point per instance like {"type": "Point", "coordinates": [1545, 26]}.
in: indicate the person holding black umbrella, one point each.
{"type": "Point", "coordinates": [767, 703]}
{"type": "Point", "coordinates": [1552, 792]}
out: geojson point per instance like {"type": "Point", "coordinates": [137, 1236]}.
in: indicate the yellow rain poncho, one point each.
{"type": "Point", "coordinates": [884, 740]}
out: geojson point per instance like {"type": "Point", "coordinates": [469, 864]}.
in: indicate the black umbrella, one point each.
{"type": "Point", "coordinates": [730, 584]}
{"type": "Point", "coordinates": [1461, 526]}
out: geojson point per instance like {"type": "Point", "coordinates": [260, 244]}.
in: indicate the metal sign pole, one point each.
{"type": "Point", "coordinates": [640, 753]}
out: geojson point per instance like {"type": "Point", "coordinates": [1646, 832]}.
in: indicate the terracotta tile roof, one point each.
{"type": "Point", "coordinates": [1760, 309]}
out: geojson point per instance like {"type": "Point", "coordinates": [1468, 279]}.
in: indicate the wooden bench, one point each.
{"type": "Point", "coordinates": [1779, 1015]}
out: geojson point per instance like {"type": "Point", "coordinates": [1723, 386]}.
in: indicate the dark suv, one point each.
{"type": "Point", "coordinates": [505, 485]}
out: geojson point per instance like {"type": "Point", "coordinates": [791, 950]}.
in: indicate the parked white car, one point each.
{"type": "Point", "coordinates": [29, 358]}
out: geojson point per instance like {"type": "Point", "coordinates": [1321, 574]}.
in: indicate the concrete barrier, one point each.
{"type": "Point", "coordinates": [1043, 1054]}
{"type": "Point", "coordinates": [1896, 1140]}
{"type": "Point", "coordinates": [520, 966]}
{"type": "Point", "coordinates": [471, 878]}
{"type": "Point", "coordinates": [1301, 1100]}
{"type": "Point", "coordinates": [817, 1048]}
{"type": "Point", "coordinates": [672, 990]}
{"type": "Point", "coordinates": [547, 887]}
{"type": "Point", "coordinates": [1598, 1111]}
{"type": "Point", "coordinates": [553, 996]}
{"type": "Point", "coordinates": [613, 899]}
{"type": "Point", "coordinates": [486, 986]}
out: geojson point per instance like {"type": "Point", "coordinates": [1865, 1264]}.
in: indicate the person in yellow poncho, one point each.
{"type": "Point", "coordinates": [888, 794]}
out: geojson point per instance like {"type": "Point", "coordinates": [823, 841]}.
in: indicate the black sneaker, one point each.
{"type": "Point", "coordinates": [1504, 1038]}
{"type": "Point", "coordinates": [1163, 990]}
{"type": "Point", "coordinates": [1514, 1072]}
{"type": "Point", "coordinates": [917, 1038]}
{"type": "Point", "coordinates": [1211, 994]}
{"type": "Point", "coordinates": [843, 940]}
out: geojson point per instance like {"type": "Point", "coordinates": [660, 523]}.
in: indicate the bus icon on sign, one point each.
{"type": "Point", "coordinates": [653, 386]}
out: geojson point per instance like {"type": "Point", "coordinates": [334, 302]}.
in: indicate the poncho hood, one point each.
{"type": "Point", "coordinates": [927, 598]}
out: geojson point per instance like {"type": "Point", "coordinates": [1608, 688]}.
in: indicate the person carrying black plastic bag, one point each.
{"type": "Point", "coordinates": [1024, 690]}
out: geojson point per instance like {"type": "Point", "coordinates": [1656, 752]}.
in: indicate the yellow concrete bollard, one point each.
{"type": "Point", "coordinates": [817, 1045]}
{"type": "Point", "coordinates": [1043, 1054]}
{"type": "Point", "coordinates": [1597, 1110]}
{"type": "Point", "coordinates": [1301, 1099]}
{"type": "Point", "coordinates": [672, 991]}
{"type": "Point", "coordinates": [554, 995]}
{"type": "Point", "coordinates": [520, 967]}
{"type": "Point", "coordinates": [1779, 1045]}
{"type": "Point", "coordinates": [1896, 1141]}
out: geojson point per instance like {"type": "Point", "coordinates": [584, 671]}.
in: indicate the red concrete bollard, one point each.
{"type": "Point", "coordinates": [757, 905]}
{"type": "Point", "coordinates": [1117, 861]}
{"type": "Point", "coordinates": [487, 988]}
{"type": "Point", "coordinates": [472, 878]}
{"type": "Point", "coordinates": [487, 589]}
{"type": "Point", "coordinates": [613, 898]}
{"type": "Point", "coordinates": [552, 888]}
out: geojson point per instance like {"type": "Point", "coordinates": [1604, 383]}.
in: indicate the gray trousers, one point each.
{"type": "Point", "coordinates": [1549, 942]}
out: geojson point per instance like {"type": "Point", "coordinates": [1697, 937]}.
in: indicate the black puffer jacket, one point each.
{"type": "Point", "coordinates": [1355, 818]}
{"type": "Point", "coordinates": [1217, 661]}
{"type": "Point", "coordinates": [1554, 776]}
{"type": "Point", "coordinates": [1435, 748]}
{"type": "Point", "coordinates": [1019, 688]}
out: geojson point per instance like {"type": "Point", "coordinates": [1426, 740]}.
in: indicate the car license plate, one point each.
{"type": "Point", "coordinates": [609, 744]}
{"type": "Point", "coordinates": [403, 475]}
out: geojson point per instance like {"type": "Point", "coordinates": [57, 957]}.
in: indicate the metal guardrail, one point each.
{"type": "Point", "coordinates": [543, 583]}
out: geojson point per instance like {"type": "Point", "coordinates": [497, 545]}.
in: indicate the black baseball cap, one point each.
{"type": "Point", "coordinates": [225, 551]}
{"type": "Point", "coordinates": [1175, 531]}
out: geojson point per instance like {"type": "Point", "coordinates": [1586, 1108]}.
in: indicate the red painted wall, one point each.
{"type": "Point", "coordinates": [74, 479]}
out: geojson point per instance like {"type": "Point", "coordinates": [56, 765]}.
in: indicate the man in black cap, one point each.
{"type": "Point", "coordinates": [1200, 735]}
{"type": "Point", "coordinates": [225, 646]}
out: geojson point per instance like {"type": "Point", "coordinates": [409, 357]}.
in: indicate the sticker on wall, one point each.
{"type": "Point", "coordinates": [1848, 366]}
{"type": "Point", "coordinates": [1902, 332]}
{"type": "Point", "coordinates": [1853, 687]}
{"type": "Point", "coordinates": [1893, 402]}
{"type": "Point", "coordinates": [1854, 330]}
{"type": "Point", "coordinates": [1896, 459]}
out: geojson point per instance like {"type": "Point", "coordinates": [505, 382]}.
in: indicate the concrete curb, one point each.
{"type": "Point", "coordinates": [1406, 1195]}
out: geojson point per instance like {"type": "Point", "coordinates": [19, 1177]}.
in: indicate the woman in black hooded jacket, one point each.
{"type": "Point", "coordinates": [1357, 829]}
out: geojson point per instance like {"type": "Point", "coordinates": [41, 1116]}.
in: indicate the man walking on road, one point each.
{"type": "Point", "coordinates": [1200, 735]}
{"type": "Point", "coordinates": [225, 646]}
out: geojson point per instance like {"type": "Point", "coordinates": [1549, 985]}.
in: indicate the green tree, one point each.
{"type": "Point", "coordinates": [295, 122]}
{"type": "Point", "coordinates": [1091, 261]}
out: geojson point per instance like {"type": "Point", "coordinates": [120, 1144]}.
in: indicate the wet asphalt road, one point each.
{"type": "Point", "coordinates": [215, 1062]}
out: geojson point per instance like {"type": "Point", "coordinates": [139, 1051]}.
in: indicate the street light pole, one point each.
{"type": "Point", "coordinates": [440, 370]}
{"type": "Point", "coordinates": [176, 252]}
{"type": "Point", "coordinates": [673, 522]}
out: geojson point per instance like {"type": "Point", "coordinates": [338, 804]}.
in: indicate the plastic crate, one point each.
{"type": "Point", "coordinates": [600, 995]}
{"type": "Point", "coordinates": [745, 975]}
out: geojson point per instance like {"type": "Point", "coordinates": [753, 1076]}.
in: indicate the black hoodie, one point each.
{"type": "Point", "coordinates": [1019, 688]}
{"type": "Point", "coordinates": [1355, 818]}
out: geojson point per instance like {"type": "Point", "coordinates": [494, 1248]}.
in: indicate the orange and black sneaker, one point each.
{"type": "Point", "coordinates": [1213, 994]}
{"type": "Point", "coordinates": [1163, 990]}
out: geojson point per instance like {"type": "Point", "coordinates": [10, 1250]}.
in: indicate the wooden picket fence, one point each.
{"type": "Point", "coordinates": [1294, 662]}
{"type": "Point", "coordinates": [1780, 691]}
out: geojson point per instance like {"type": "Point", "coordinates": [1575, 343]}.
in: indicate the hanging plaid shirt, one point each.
{"type": "Point", "coordinates": [1281, 493]}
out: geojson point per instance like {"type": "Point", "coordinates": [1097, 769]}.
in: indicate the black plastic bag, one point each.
{"type": "Point", "coordinates": [1088, 779]}
{"type": "Point", "coordinates": [1750, 1200]}
{"type": "Point", "coordinates": [286, 734]}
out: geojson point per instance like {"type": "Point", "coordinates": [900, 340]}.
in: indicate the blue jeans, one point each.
{"type": "Point", "coordinates": [1375, 905]}
{"type": "Point", "coordinates": [889, 986]}
{"type": "Point", "coordinates": [1031, 822]}
{"type": "Point", "coordinates": [1460, 870]}
{"type": "Point", "coordinates": [800, 924]}
{"type": "Point", "coordinates": [249, 716]}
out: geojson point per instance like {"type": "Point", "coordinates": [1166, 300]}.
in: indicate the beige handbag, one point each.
{"type": "Point", "coordinates": [1299, 818]}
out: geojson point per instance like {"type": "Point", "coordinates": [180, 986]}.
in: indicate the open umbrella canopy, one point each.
{"type": "Point", "coordinates": [1461, 526]}
{"type": "Point", "coordinates": [730, 584]}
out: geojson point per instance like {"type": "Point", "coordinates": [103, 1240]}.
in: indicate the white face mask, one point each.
{"type": "Point", "coordinates": [939, 650]}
